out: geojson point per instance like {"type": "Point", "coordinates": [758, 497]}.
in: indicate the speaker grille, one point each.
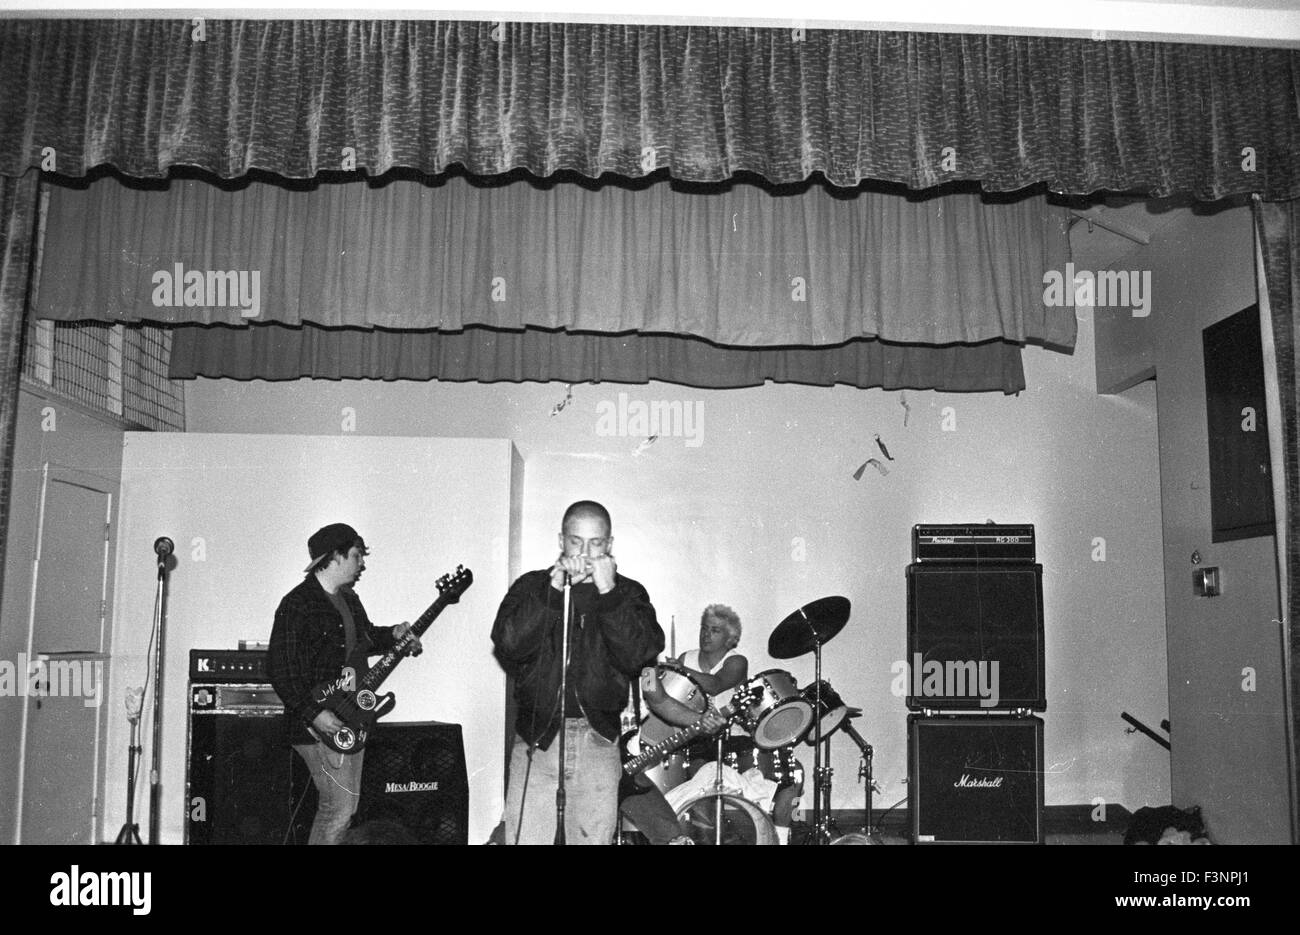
{"type": "Point", "coordinates": [242, 781]}
{"type": "Point", "coordinates": [414, 775]}
{"type": "Point", "coordinates": [976, 779]}
{"type": "Point", "coordinates": [964, 619]}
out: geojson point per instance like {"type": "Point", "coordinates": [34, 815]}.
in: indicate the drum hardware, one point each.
{"type": "Point", "coordinates": [822, 820]}
{"type": "Point", "coordinates": [869, 782]}
{"type": "Point", "coordinates": [807, 629]}
{"type": "Point", "coordinates": [779, 766]}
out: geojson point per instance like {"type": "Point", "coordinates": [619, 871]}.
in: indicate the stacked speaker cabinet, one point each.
{"type": "Point", "coordinates": [975, 676]}
{"type": "Point", "coordinates": [242, 779]}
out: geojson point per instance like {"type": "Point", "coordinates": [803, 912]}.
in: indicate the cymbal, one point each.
{"type": "Point", "coordinates": [810, 625]}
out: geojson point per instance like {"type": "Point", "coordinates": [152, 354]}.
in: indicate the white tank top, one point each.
{"type": "Point", "coordinates": [691, 659]}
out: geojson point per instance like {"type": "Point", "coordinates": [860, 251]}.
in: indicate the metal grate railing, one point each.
{"type": "Point", "coordinates": [148, 397]}
{"type": "Point", "coordinates": [119, 370]}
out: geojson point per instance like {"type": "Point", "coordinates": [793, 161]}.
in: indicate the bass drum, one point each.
{"type": "Point", "coordinates": [742, 821]}
{"type": "Point", "coordinates": [856, 837]}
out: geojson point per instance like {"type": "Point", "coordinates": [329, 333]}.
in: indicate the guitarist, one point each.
{"type": "Point", "coordinates": [318, 626]}
{"type": "Point", "coordinates": [648, 809]}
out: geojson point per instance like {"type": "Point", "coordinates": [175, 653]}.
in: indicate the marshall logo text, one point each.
{"type": "Point", "coordinates": [967, 783]}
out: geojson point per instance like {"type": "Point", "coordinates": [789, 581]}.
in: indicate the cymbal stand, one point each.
{"type": "Point", "coordinates": [821, 834]}
{"type": "Point", "coordinates": [822, 820]}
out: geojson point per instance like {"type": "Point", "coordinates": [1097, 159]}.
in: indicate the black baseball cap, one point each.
{"type": "Point", "coordinates": [329, 539]}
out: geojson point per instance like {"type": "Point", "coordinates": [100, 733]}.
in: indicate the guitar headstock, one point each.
{"type": "Point", "coordinates": [743, 697]}
{"type": "Point", "coordinates": [452, 586]}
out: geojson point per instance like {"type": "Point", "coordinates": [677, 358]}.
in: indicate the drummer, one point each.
{"type": "Point", "coordinates": [719, 668]}
{"type": "Point", "coordinates": [716, 665]}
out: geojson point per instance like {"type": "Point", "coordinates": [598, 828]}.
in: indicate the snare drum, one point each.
{"type": "Point", "coordinates": [831, 712]}
{"type": "Point", "coordinates": [781, 715]}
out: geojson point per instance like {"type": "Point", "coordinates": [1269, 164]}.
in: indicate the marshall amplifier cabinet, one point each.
{"type": "Point", "coordinates": [414, 775]}
{"type": "Point", "coordinates": [242, 779]}
{"type": "Point", "coordinates": [975, 779]}
{"type": "Point", "coordinates": [975, 637]}
{"type": "Point", "coordinates": [962, 544]}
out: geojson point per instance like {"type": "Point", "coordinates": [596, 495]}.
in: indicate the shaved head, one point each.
{"type": "Point", "coordinates": [587, 509]}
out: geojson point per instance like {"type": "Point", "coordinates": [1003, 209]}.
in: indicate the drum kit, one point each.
{"type": "Point", "coordinates": [778, 717]}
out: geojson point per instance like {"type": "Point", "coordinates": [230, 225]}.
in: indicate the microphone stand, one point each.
{"type": "Point", "coordinates": [564, 700]}
{"type": "Point", "coordinates": [130, 833]}
{"type": "Point", "coordinates": [163, 547]}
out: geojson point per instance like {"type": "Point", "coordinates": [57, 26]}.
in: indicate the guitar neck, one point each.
{"type": "Point", "coordinates": [381, 669]}
{"type": "Point", "coordinates": [670, 743]}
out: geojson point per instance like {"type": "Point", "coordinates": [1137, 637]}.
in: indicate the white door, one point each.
{"type": "Point", "coordinates": [62, 724]}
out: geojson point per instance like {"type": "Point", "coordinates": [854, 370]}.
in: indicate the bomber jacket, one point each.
{"type": "Point", "coordinates": [614, 635]}
{"type": "Point", "coordinates": [308, 647]}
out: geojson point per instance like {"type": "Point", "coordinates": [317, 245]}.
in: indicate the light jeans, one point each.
{"type": "Point", "coordinates": [338, 783]}
{"type": "Point", "coordinates": [592, 770]}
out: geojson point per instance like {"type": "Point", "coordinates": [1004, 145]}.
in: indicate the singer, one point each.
{"type": "Point", "coordinates": [614, 635]}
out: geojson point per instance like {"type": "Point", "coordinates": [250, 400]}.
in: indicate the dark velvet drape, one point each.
{"type": "Point", "coordinates": [17, 237]}
{"type": "Point", "coordinates": [298, 98]}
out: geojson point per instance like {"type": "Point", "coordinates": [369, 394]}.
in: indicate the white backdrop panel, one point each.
{"type": "Point", "coordinates": [240, 509]}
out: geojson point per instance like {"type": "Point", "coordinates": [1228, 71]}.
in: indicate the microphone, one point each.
{"type": "Point", "coordinates": [163, 547]}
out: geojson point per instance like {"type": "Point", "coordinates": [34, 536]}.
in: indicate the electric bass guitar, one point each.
{"type": "Point", "coordinates": [637, 761]}
{"type": "Point", "coordinates": [353, 700]}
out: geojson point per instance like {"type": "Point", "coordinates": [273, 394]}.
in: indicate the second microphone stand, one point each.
{"type": "Point", "coordinates": [564, 700]}
{"type": "Point", "coordinates": [163, 549]}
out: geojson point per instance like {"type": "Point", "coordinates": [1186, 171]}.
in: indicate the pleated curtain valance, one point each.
{"type": "Point", "coordinates": [281, 352]}
{"type": "Point", "coordinates": [736, 266]}
{"type": "Point", "coordinates": [298, 98]}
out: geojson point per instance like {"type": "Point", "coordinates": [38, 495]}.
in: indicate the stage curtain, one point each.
{"type": "Point", "coordinates": [17, 237]}
{"type": "Point", "coordinates": [299, 97]}
{"type": "Point", "coordinates": [280, 352]}
{"type": "Point", "coordinates": [1279, 231]}
{"type": "Point", "coordinates": [735, 264]}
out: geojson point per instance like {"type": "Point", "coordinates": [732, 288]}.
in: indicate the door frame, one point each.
{"type": "Point", "coordinates": [52, 471]}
